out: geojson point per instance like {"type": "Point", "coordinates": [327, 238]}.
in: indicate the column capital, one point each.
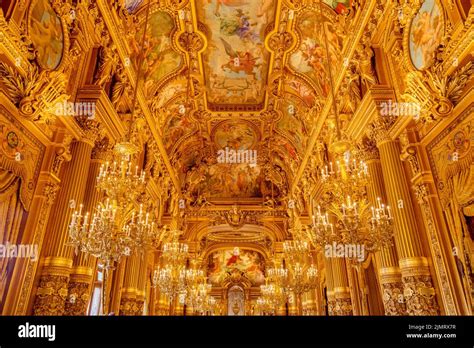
{"type": "Point", "coordinates": [91, 130]}
{"type": "Point", "coordinates": [379, 130]}
{"type": "Point", "coordinates": [368, 150]}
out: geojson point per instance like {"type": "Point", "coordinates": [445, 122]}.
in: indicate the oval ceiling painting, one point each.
{"type": "Point", "coordinates": [426, 32]}
{"type": "Point", "coordinates": [46, 33]}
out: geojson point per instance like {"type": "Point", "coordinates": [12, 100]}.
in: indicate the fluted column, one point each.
{"type": "Point", "coordinates": [128, 301]}
{"type": "Point", "coordinates": [342, 293]}
{"type": "Point", "coordinates": [330, 287]}
{"type": "Point", "coordinates": [84, 265]}
{"type": "Point", "coordinates": [57, 256]}
{"type": "Point", "coordinates": [389, 272]}
{"type": "Point", "coordinates": [141, 285]}
{"type": "Point", "coordinates": [163, 305]}
{"type": "Point", "coordinates": [117, 277]}
{"type": "Point", "coordinates": [418, 290]}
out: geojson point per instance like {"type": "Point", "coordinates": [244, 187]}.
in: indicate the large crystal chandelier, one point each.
{"type": "Point", "coordinates": [101, 235]}
{"type": "Point", "coordinates": [170, 277]}
{"type": "Point", "coordinates": [119, 179]}
{"type": "Point", "coordinates": [115, 230]}
{"type": "Point", "coordinates": [356, 224]}
{"type": "Point", "coordinates": [295, 250]}
{"type": "Point", "coordinates": [302, 274]}
{"type": "Point", "coordinates": [197, 297]}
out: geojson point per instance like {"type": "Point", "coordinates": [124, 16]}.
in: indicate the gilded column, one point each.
{"type": "Point", "coordinates": [331, 301]}
{"type": "Point", "coordinates": [117, 277]}
{"type": "Point", "coordinates": [84, 265]}
{"type": "Point", "coordinates": [418, 290]}
{"type": "Point", "coordinates": [128, 301]}
{"type": "Point", "coordinates": [57, 257]}
{"type": "Point", "coordinates": [141, 285]}
{"type": "Point", "coordinates": [342, 292]}
{"type": "Point", "coordinates": [389, 272]}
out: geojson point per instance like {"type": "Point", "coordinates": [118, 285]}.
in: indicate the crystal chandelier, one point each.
{"type": "Point", "coordinates": [107, 236]}
{"type": "Point", "coordinates": [302, 279]}
{"type": "Point", "coordinates": [381, 226]}
{"type": "Point", "coordinates": [170, 278]}
{"type": "Point", "coordinates": [274, 296]}
{"type": "Point", "coordinates": [347, 172]}
{"type": "Point", "coordinates": [118, 179]}
{"type": "Point", "coordinates": [277, 275]}
{"type": "Point", "coordinates": [142, 231]}
{"type": "Point", "coordinates": [101, 235]}
{"type": "Point", "coordinates": [171, 281]}
{"type": "Point", "coordinates": [354, 226]}
{"type": "Point", "coordinates": [197, 297]}
{"type": "Point", "coordinates": [175, 253]}
{"type": "Point", "coordinates": [295, 250]}
{"type": "Point", "coordinates": [210, 305]}
{"type": "Point", "coordinates": [302, 274]}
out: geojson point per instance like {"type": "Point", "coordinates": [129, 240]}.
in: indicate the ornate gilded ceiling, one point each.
{"type": "Point", "coordinates": [237, 74]}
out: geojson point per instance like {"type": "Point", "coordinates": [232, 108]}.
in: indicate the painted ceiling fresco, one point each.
{"type": "Point", "coordinates": [224, 264]}
{"type": "Point", "coordinates": [240, 89]}
{"type": "Point", "coordinates": [236, 61]}
{"type": "Point", "coordinates": [310, 57]}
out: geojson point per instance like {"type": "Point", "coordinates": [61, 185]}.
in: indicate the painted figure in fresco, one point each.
{"type": "Point", "coordinates": [46, 36]}
{"type": "Point", "coordinates": [425, 34]}
{"type": "Point", "coordinates": [264, 9]}
{"type": "Point", "coordinates": [314, 55]}
{"type": "Point", "coordinates": [340, 6]}
{"type": "Point", "coordinates": [238, 25]}
{"type": "Point", "coordinates": [235, 258]}
{"type": "Point", "coordinates": [239, 61]}
{"type": "Point", "coordinates": [230, 3]}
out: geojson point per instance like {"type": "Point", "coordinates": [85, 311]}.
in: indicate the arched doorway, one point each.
{"type": "Point", "coordinates": [235, 301]}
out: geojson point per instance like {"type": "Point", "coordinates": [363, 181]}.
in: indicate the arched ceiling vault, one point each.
{"type": "Point", "coordinates": [237, 75]}
{"type": "Point", "coordinates": [244, 74]}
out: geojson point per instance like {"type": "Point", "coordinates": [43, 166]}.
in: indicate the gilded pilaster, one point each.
{"type": "Point", "coordinates": [435, 225]}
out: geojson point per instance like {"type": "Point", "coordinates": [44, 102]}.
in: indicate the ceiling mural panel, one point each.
{"type": "Point", "coordinates": [160, 57]}
{"type": "Point", "coordinates": [236, 263]}
{"type": "Point", "coordinates": [310, 59]}
{"type": "Point", "coordinates": [235, 62]}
